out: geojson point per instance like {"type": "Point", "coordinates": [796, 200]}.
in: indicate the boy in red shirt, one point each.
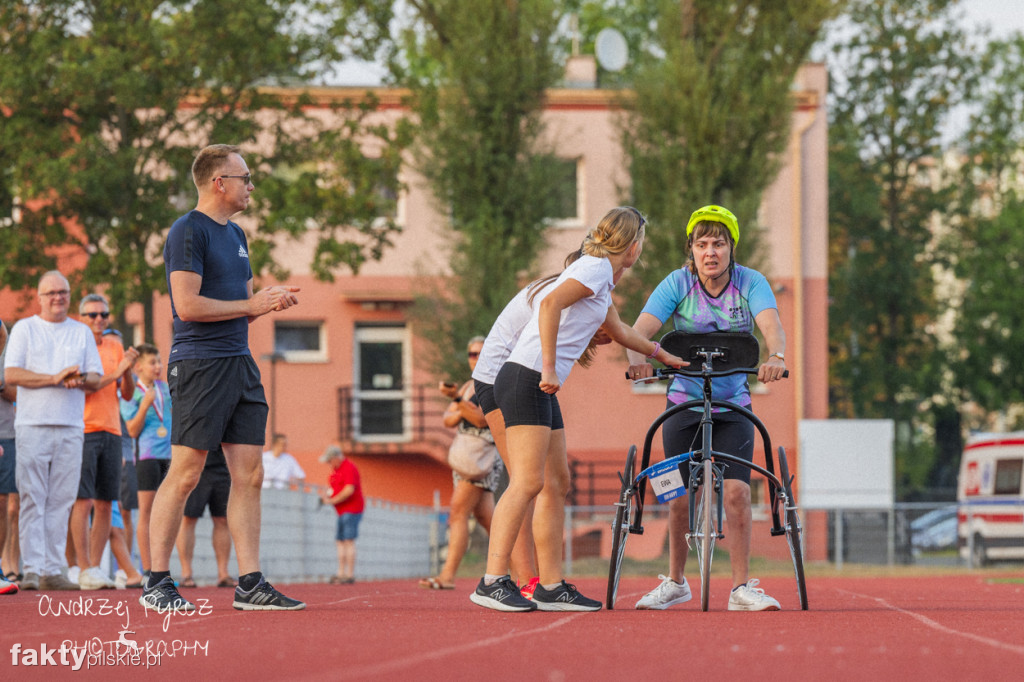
{"type": "Point", "coordinates": [346, 494]}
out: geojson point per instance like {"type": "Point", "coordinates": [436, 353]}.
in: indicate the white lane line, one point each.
{"type": "Point", "coordinates": [1013, 648]}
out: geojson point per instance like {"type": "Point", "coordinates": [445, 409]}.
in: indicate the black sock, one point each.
{"type": "Point", "coordinates": [157, 576]}
{"type": "Point", "coordinates": [249, 580]}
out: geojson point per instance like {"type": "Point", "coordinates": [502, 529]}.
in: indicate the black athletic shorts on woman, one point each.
{"type": "Point", "coordinates": [522, 403]}
{"type": "Point", "coordinates": [484, 396]}
{"type": "Point", "coordinates": [216, 401]}
{"type": "Point", "coordinates": [731, 433]}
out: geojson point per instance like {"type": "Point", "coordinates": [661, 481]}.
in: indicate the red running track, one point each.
{"type": "Point", "coordinates": [964, 627]}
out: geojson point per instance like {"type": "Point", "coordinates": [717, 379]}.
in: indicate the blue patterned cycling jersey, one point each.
{"type": "Point", "coordinates": [694, 310]}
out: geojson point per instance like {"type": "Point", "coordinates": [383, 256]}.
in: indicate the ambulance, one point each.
{"type": "Point", "coordinates": [989, 496]}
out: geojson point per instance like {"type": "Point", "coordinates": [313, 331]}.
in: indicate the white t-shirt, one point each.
{"type": "Point", "coordinates": [579, 322]}
{"type": "Point", "coordinates": [279, 471]}
{"type": "Point", "coordinates": [505, 332]}
{"type": "Point", "coordinates": [47, 348]}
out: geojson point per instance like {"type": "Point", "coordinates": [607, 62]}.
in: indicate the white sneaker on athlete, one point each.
{"type": "Point", "coordinates": [93, 579]}
{"type": "Point", "coordinates": [73, 573]}
{"type": "Point", "coordinates": [668, 593]}
{"type": "Point", "coordinates": [750, 597]}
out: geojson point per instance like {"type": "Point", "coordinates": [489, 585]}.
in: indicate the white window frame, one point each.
{"type": "Point", "coordinates": [370, 334]}
{"type": "Point", "coordinates": [307, 356]}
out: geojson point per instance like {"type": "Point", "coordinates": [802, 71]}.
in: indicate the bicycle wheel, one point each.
{"type": "Point", "coordinates": [793, 529]}
{"type": "Point", "coordinates": [620, 527]}
{"type": "Point", "coordinates": [706, 533]}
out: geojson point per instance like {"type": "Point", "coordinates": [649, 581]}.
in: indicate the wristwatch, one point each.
{"type": "Point", "coordinates": [780, 356]}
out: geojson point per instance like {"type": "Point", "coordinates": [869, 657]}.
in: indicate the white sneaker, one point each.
{"type": "Point", "coordinates": [668, 593]}
{"type": "Point", "coordinates": [120, 579]}
{"type": "Point", "coordinates": [73, 573]}
{"type": "Point", "coordinates": [93, 579]}
{"type": "Point", "coordinates": [750, 597]}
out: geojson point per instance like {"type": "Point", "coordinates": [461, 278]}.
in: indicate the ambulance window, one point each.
{"type": "Point", "coordinates": [1008, 476]}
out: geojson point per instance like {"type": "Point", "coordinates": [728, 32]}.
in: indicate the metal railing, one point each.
{"type": "Point", "coordinates": [418, 419]}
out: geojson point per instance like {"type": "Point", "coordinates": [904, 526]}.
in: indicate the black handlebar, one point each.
{"type": "Point", "coordinates": [666, 372]}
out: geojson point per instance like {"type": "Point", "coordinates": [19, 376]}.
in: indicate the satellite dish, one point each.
{"type": "Point", "coordinates": [611, 49]}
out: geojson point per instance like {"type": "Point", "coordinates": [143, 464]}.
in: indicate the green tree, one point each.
{"type": "Point", "coordinates": [104, 104]}
{"type": "Point", "coordinates": [985, 246]}
{"type": "Point", "coordinates": [901, 69]}
{"type": "Point", "coordinates": [711, 113]}
{"type": "Point", "coordinates": [478, 72]}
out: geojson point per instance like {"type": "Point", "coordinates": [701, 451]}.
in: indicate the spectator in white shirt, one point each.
{"type": "Point", "coordinates": [280, 469]}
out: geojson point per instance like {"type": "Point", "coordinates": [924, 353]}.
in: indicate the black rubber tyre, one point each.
{"type": "Point", "coordinates": [707, 532]}
{"type": "Point", "coordinates": [620, 527]}
{"type": "Point", "coordinates": [793, 529]}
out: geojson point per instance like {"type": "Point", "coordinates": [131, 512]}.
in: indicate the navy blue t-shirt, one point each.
{"type": "Point", "coordinates": [220, 255]}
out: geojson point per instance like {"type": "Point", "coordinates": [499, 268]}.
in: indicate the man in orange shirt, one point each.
{"type": "Point", "coordinates": [101, 453]}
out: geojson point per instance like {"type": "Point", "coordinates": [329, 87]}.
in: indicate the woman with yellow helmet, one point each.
{"type": "Point", "coordinates": [712, 293]}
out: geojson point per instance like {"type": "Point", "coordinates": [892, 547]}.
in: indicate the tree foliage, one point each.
{"type": "Point", "coordinates": [984, 250]}
{"type": "Point", "coordinates": [478, 73]}
{"type": "Point", "coordinates": [104, 105]}
{"type": "Point", "coordinates": [902, 68]}
{"type": "Point", "coordinates": [711, 113]}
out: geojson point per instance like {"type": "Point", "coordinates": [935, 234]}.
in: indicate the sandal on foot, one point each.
{"type": "Point", "coordinates": [187, 582]}
{"type": "Point", "coordinates": [227, 582]}
{"type": "Point", "coordinates": [435, 584]}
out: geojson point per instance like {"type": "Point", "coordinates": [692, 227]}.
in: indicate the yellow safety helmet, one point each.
{"type": "Point", "coordinates": [718, 214]}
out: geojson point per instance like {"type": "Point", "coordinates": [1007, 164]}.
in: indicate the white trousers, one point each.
{"type": "Point", "coordinates": [48, 471]}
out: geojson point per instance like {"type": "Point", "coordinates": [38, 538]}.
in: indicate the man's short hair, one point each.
{"type": "Point", "coordinates": [51, 273]}
{"type": "Point", "coordinates": [209, 160]}
{"type": "Point", "coordinates": [93, 298]}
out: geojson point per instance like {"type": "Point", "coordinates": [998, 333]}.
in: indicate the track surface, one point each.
{"type": "Point", "coordinates": [964, 627]}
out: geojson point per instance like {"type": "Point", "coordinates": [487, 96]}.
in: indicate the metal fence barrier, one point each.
{"type": "Point", "coordinates": [406, 541]}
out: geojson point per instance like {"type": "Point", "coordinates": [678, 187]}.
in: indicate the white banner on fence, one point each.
{"type": "Point", "coordinates": [846, 463]}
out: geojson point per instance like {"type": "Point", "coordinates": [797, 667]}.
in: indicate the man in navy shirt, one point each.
{"type": "Point", "coordinates": [215, 384]}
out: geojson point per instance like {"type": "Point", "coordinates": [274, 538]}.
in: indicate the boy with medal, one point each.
{"type": "Point", "coordinates": [148, 417]}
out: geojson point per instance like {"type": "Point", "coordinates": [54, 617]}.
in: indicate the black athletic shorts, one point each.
{"type": "Point", "coordinates": [484, 396]}
{"type": "Point", "coordinates": [216, 401]}
{"type": "Point", "coordinates": [522, 403]}
{"type": "Point", "coordinates": [101, 467]}
{"type": "Point", "coordinates": [151, 473]}
{"type": "Point", "coordinates": [211, 491]}
{"type": "Point", "coordinates": [731, 433]}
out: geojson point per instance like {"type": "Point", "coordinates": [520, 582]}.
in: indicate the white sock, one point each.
{"type": "Point", "coordinates": [491, 579]}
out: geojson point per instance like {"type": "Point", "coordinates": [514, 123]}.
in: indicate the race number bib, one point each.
{"type": "Point", "coordinates": [666, 480]}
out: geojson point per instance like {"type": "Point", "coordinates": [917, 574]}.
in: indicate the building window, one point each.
{"type": "Point", "coordinates": [565, 210]}
{"type": "Point", "coordinates": [300, 340]}
{"type": "Point", "coordinates": [380, 402]}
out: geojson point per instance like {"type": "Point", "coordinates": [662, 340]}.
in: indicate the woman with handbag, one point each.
{"type": "Point", "coordinates": [476, 469]}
